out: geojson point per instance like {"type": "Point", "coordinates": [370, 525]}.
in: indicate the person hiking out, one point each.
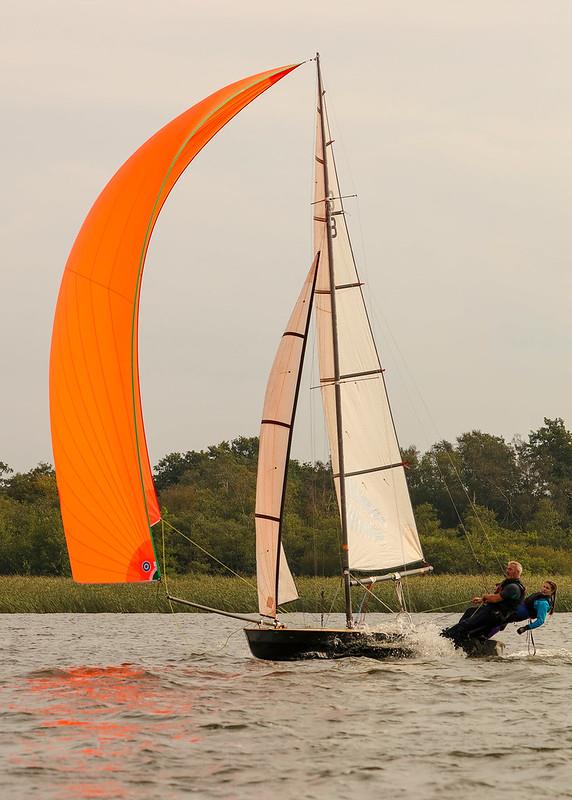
{"type": "Point", "coordinates": [492, 610]}
{"type": "Point", "coordinates": [536, 608]}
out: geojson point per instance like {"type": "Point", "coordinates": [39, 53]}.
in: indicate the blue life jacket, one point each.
{"type": "Point", "coordinates": [531, 600]}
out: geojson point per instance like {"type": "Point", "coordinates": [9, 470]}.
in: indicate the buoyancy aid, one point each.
{"type": "Point", "coordinates": [507, 606]}
{"type": "Point", "coordinates": [531, 600]}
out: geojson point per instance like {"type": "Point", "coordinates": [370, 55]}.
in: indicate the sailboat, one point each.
{"type": "Point", "coordinates": [108, 501]}
{"type": "Point", "coordinates": [378, 530]}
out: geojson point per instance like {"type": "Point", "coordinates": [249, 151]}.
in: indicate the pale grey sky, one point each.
{"type": "Point", "coordinates": [453, 122]}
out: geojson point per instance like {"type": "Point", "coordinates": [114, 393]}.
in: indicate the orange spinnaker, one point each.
{"type": "Point", "coordinates": [106, 490]}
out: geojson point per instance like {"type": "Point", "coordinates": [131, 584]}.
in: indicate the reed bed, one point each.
{"type": "Point", "coordinates": [34, 595]}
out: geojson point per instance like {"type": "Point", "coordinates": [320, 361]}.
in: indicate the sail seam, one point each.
{"type": "Point", "coordinates": [353, 375]}
{"type": "Point", "coordinates": [98, 283]}
{"type": "Point", "coordinates": [342, 285]}
{"type": "Point", "coordinates": [331, 197]}
{"type": "Point", "coordinates": [372, 469]}
{"type": "Point", "coordinates": [267, 516]}
{"type": "Point", "coordinates": [276, 422]}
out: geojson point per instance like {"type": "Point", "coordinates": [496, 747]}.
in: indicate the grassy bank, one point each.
{"type": "Point", "coordinates": [60, 595]}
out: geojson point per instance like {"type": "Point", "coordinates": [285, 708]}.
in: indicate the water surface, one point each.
{"type": "Point", "coordinates": [158, 706]}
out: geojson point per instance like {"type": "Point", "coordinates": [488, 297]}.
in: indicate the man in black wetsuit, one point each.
{"type": "Point", "coordinates": [491, 610]}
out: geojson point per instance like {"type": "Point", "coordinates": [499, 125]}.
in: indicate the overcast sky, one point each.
{"type": "Point", "coordinates": [453, 123]}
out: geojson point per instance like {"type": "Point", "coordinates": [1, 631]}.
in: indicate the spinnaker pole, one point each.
{"type": "Point", "coordinates": [219, 611]}
{"type": "Point", "coordinates": [337, 390]}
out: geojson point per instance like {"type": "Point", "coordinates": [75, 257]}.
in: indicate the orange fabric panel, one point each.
{"type": "Point", "coordinates": [105, 484]}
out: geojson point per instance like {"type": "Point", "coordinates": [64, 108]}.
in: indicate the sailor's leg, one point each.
{"type": "Point", "coordinates": [468, 613]}
{"type": "Point", "coordinates": [479, 621]}
{"type": "Point", "coordinates": [451, 633]}
{"type": "Point", "coordinates": [491, 621]}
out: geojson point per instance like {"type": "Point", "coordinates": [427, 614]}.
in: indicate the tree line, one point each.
{"type": "Point", "coordinates": [477, 501]}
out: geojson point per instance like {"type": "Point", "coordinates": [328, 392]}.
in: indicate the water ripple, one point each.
{"type": "Point", "coordinates": [135, 707]}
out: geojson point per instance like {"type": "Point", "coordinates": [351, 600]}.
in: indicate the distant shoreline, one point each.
{"type": "Point", "coordinates": [438, 593]}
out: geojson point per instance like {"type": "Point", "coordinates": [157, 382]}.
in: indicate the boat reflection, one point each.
{"type": "Point", "coordinates": [102, 732]}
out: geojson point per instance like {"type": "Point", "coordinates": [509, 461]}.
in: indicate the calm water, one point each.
{"type": "Point", "coordinates": [157, 706]}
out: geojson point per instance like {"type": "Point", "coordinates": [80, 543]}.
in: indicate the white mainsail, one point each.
{"type": "Point", "coordinates": [274, 580]}
{"type": "Point", "coordinates": [381, 528]}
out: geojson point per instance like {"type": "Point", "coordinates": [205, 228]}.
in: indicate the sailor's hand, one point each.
{"type": "Point", "coordinates": [476, 601]}
{"type": "Point", "coordinates": [522, 629]}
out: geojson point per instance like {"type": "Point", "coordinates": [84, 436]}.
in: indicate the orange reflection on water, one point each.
{"type": "Point", "coordinates": [113, 722]}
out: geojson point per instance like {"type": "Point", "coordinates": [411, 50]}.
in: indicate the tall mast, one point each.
{"type": "Point", "coordinates": [337, 391]}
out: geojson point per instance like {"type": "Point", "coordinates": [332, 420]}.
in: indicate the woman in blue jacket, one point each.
{"type": "Point", "coordinates": [536, 607]}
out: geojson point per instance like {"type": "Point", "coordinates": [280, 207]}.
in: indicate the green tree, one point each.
{"type": "Point", "coordinates": [172, 467]}
{"type": "Point", "coordinates": [435, 478]}
{"type": "Point", "coordinates": [489, 472]}
{"type": "Point", "coordinates": [548, 459]}
{"type": "Point", "coordinates": [547, 526]}
{"type": "Point", "coordinates": [37, 484]}
{"type": "Point", "coordinates": [5, 470]}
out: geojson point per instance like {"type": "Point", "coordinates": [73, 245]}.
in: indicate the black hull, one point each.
{"type": "Point", "coordinates": [290, 644]}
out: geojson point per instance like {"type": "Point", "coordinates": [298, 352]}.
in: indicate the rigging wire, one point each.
{"type": "Point", "coordinates": [451, 605]}
{"type": "Point", "coordinates": [463, 527]}
{"type": "Point", "coordinates": [165, 565]}
{"type": "Point", "coordinates": [372, 593]}
{"type": "Point", "coordinates": [335, 597]}
{"type": "Point", "coordinates": [281, 609]}
{"type": "Point", "coordinates": [404, 599]}
{"type": "Point", "coordinates": [473, 508]}
{"type": "Point", "coordinates": [210, 555]}
{"type": "Point", "coordinates": [418, 392]}
{"type": "Point", "coordinates": [206, 652]}
{"type": "Point", "coordinates": [450, 460]}
{"type": "Point", "coordinates": [318, 598]}
{"type": "Point", "coordinates": [220, 646]}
